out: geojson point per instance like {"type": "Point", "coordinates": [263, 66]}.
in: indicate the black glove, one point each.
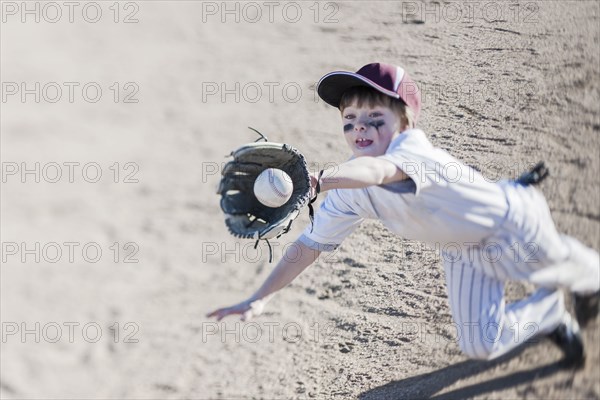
{"type": "Point", "coordinates": [245, 216]}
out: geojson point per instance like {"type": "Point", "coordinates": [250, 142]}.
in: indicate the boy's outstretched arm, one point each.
{"type": "Point", "coordinates": [295, 260]}
{"type": "Point", "coordinates": [361, 172]}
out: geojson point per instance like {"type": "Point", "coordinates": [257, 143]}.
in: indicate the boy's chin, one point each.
{"type": "Point", "coordinates": [367, 153]}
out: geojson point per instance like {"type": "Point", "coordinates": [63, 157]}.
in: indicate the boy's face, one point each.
{"type": "Point", "coordinates": [369, 130]}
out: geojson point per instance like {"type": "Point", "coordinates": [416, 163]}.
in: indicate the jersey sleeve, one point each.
{"type": "Point", "coordinates": [406, 152]}
{"type": "Point", "coordinates": [334, 221]}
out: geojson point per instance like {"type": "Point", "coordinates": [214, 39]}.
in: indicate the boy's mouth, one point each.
{"type": "Point", "coordinates": [362, 143]}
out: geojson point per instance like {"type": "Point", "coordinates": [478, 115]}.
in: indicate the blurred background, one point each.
{"type": "Point", "coordinates": [116, 118]}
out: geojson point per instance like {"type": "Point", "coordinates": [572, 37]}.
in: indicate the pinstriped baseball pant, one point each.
{"type": "Point", "coordinates": [526, 247]}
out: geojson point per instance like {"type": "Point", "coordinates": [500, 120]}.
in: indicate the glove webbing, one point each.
{"type": "Point", "coordinates": [311, 210]}
{"type": "Point", "coordinates": [534, 176]}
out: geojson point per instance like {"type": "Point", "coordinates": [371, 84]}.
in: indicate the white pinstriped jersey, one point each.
{"type": "Point", "coordinates": [443, 201]}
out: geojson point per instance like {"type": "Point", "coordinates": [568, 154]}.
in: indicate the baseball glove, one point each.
{"type": "Point", "coordinates": [245, 216]}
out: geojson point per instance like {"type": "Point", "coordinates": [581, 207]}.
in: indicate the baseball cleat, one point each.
{"type": "Point", "coordinates": [586, 307]}
{"type": "Point", "coordinates": [567, 336]}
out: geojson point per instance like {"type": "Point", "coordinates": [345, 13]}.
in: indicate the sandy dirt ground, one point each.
{"type": "Point", "coordinates": [113, 242]}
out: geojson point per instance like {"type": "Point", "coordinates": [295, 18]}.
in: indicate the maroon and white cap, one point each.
{"type": "Point", "coordinates": [389, 79]}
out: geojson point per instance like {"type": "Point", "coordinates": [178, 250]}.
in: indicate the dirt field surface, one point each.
{"type": "Point", "coordinates": [116, 119]}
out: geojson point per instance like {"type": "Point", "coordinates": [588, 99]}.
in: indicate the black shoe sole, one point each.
{"type": "Point", "coordinates": [571, 345]}
{"type": "Point", "coordinates": [587, 307]}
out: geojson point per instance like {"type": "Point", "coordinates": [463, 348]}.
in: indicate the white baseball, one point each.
{"type": "Point", "coordinates": [273, 187]}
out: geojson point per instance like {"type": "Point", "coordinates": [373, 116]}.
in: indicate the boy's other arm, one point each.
{"type": "Point", "coordinates": [295, 260]}
{"type": "Point", "coordinates": [361, 172]}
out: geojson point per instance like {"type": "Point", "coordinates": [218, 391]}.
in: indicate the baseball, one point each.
{"type": "Point", "coordinates": [273, 187]}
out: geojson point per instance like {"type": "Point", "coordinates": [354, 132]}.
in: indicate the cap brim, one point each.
{"type": "Point", "coordinates": [332, 86]}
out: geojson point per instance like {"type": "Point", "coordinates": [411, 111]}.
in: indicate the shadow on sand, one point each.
{"type": "Point", "coordinates": [426, 386]}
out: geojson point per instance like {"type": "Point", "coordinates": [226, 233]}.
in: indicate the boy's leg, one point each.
{"type": "Point", "coordinates": [579, 272]}
{"type": "Point", "coordinates": [531, 248]}
{"type": "Point", "coordinates": [488, 327]}
{"type": "Point", "coordinates": [527, 247]}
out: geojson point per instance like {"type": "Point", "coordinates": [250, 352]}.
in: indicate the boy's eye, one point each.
{"type": "Point", "coordinates": [349, 116]}
{"type": "Point", "coordinates": [375, 114]}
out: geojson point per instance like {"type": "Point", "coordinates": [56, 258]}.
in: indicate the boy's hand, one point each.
{"type": "Point", "coordinates": [248, 309]}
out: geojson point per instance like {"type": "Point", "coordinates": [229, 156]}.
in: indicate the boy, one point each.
{"type": "Point", "coordinates": [489, 232]}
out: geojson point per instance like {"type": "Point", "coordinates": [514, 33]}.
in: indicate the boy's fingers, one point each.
{"type": "Point", "coordinates": [215, 313]}
{"type": "Point", "coordinates": [223, 312]}
{"type": "Point", "coordinates": [219, 314]}
{"type": "Point", "coordinates": [246, 315]}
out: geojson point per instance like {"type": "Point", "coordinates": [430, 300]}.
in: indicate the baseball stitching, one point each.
{"type": "Point", "coordinates": [272, 183]}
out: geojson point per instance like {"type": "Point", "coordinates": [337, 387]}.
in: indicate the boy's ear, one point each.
{"type": "Point", "coordinates": [402, 126]}
{"type": "Point", "coordinates": [404, 123]}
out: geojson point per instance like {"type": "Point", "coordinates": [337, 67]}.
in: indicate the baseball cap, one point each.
{"type": "Point", "coordinates": [388, 79]}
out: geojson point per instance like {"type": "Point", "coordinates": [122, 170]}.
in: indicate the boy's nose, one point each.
{"type": "Point", "coordinates": [360, 126]}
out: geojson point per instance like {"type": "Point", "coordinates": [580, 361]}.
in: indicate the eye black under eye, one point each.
{"type": "Point", "coordinates": [376, 123]}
